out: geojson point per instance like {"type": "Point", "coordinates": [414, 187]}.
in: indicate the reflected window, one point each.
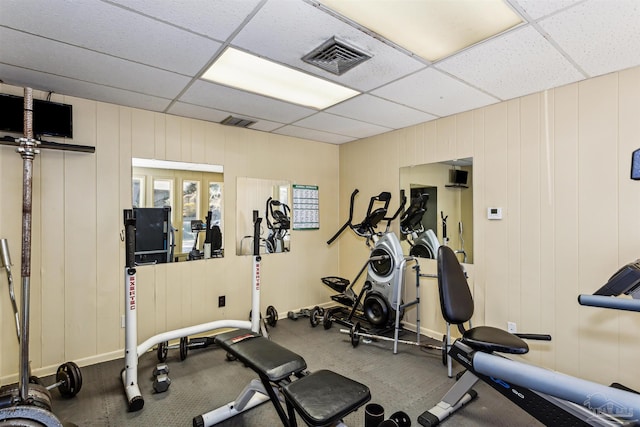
{"type": "Point", "coordinates": [190, 209]}
{"type": "Point", "coordinates": [137, 192]}
{"type": "Point", "coordinates": [215, 203]}
{"type": "Point", "coordinates": [162, 193]}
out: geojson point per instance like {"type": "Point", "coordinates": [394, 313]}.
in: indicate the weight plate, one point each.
{"type": "Point", "coordinates": [444, 350]}
{"type": "Point", "coordinates": [69, 374]}
{"type": "Point", "coordinates": [314, 317]}
{"type": "Point", "coordinates": [184, 347]}
{"type": "Point", "coordinates": [326, 320]}
{"type": "Point", "coordinates": [28, 416]}
{"type": "Point", "coordinates": [354, 333]}
{"type": "Point", "coordinates": [272, 316]}
{"type": "Point", "coordinates": [163, 350]}
{"type": "Point", "coordinates": [401, 418]}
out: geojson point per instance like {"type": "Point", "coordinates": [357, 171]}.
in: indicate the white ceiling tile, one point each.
{"type": "Point", "coordinates": [217, 19]}
{"type": "Point", "coordinates": [435, 93]}
{"type": "Point", "coordinates": [110, 29]}
{"type": "Point", "coordinates": [515, 64]}
{"type": "Point", "coordinates": [341, 125]}
{"type": "Point", "coordinates": [45, 82]}
{"type": "Point", "coordinates": [213, 115]}
{"type": "Point", "coordinates": [371, 109]}
{"type": "Point", "coordinates": [33, 53]}
{"type": "Point", "coordinates": [238, 102]}
{"type": "Point", "coordinates": [600, 35]}
{"type": "Point", "coordinates": [536, 9]}
{"type": "Point", "coordinates": [197, 112]}
{"type": "Point", "coordinates": [313, 134]}
{"type": "Point", "coordinates": [288, 30]}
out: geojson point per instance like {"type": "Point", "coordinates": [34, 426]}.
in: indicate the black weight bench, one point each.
{"type": "Point", "coordinates": [321, 398]}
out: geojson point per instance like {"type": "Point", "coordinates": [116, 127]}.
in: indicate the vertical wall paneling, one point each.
{"type": "Point", "coordinates": [109, 219]}
{"type": "Point", "coordinates": [566, 335]}
{"type": "Point", "coordinates": [514, 212]}
{"type": "Point", "coordinates": [628, 208]}
{"type": "Point", "coordinates": [597, 203]}
{"type": "Point", "coordinates": [143, 134]}
{"type": "Point", "coordinates": [80, 240]}
{"type": "Point", "coordinates": [530, 218]}
{"type": "Point", "coordinates": [160, 136]}
{"type": "Point", "coordinates": [495, 189]}
{"type": "Point", "coordinates": [124, 186]}
{"type": "Point", "coordinates": [547, 307]}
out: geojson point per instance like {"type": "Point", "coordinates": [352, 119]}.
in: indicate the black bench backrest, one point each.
{"type": "Point", "coordinates": [456, 301]}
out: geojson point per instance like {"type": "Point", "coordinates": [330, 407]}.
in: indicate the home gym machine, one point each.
{"type": "Point", "coordinates": [280, 213]}
{"type": "Point", "coordinates": [379, 304]}
{"type": "Point", "coordinates": [551, 397]}
{"type": "Point", "coordinates": [29, 403]}
{"type": "Point", "coordinates": [133, 351]}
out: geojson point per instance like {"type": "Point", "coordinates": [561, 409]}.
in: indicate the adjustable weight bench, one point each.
{"type": "Point", "coordinates": [322, 398]}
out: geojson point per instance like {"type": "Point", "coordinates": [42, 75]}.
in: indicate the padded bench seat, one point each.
{"type": "Point", "coordinates": [320, 398]}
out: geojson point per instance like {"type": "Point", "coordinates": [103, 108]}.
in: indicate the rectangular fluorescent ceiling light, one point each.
{"type": "Point", "coordinates": [244, 71]}
{"type": "Point", "coordinates": [431, 29]}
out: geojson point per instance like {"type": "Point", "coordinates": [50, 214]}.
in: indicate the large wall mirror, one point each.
{"type": "Point", "coordinates": [178, 208]}
{"type": "Point", "coordinates": [272, 201]}
{"type": "Point", "coordinates": [441, 195]}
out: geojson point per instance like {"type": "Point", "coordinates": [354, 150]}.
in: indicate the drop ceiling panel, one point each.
{"type": "Point", "coordinates": [288, 30]}
{"type": "Point", "coordinates": [536, 9]}
{"type": "Point", "coordinates": [313, 134]}
{"type": "Point", "coordinates": [213, 115]}
{"type": "Point", "coordinates": [114, 31]}
{"type": "Point", "coordinates": [341, 125]}
{"type": "Point", "coordinates": [238, 102]}
{"type": "Point", "coordinates": [601, 36]}
{"type": "Point", "coordinates": [217, 19]}
{"type": "Point", "coordinates": [21, 77]}
{"type": "Point", "coordinates": [33, 53]}
{"type": "Point", "coordinates": [371, 109]}
{"type": "Point", "coordinates": [197, 112]}
{"type": "Point", "coordinates": [518, 63]}
{"type": "Point", "coordinates": [435, 93]}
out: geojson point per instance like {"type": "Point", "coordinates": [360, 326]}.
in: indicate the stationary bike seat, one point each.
{"type": "Point", "coordinates": [338, 284]}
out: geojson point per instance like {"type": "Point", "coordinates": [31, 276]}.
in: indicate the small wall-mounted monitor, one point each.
{"type": "Point", "coordinates": [458, 178]}
{"type": "Point", "coordinates": [49, 118]}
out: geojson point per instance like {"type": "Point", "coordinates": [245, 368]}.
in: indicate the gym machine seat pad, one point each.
{"type": "Point", "coordinates": [260, 354]}
{"type": "Point", "coordinates": [321, 398]}
{"type": "Point", "coordinates": [489, 339]}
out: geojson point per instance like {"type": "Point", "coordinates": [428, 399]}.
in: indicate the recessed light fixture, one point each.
{"type": "Point", "coordinates": [248, 72]}
{"type": "Point", "coordinates": [431, 29]}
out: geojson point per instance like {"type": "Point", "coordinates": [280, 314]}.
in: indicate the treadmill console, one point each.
{"type": "Point", "coordinates": [625, 281]}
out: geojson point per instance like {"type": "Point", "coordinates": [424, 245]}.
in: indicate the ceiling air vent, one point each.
{"type": "Point", "coordinates": [237, 122]}
{"type": "Point", "coordinates": [336, 56]}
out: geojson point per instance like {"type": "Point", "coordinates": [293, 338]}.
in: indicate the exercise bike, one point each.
{"type": "Point", "coordinates": [377, 302]}
{"type": "Point", "coordinates": [278, 217]}
{"type": "Point", "coordinates": [552, 398]}
{"type": "Point", "coordinates": [424, 243]}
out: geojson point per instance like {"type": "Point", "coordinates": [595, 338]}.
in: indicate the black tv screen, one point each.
{"type": "Point", "coordinates": [49, 118]}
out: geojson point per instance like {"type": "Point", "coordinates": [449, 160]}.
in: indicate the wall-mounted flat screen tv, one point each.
{"type": "Point", "coordinates": [49, 118]}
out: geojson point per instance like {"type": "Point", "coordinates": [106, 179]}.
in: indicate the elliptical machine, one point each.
{"type": "Point", "coordinates": [378, 300]}
{"type": "Point", "coordinates": [424, 243]}
{"type": "Point", "coordinates": [280, 213]}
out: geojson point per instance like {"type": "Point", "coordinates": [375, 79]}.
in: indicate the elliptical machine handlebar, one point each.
{"type": "Point", "coordinates": [395, 215]}
{"type": "Point", "coordinates": [348, 223]}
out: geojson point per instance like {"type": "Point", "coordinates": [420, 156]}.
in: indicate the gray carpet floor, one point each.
{"type": "Point", "coordinates": [411, 381]}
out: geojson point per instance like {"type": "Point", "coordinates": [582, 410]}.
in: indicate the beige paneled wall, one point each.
{"type": "Point", "coordinates": [558, 163]}
{"type": "Point", "coordinates": [78, 257]}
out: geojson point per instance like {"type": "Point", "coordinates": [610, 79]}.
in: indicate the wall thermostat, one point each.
{"type": "Point", "coordinates": [494, 213]}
